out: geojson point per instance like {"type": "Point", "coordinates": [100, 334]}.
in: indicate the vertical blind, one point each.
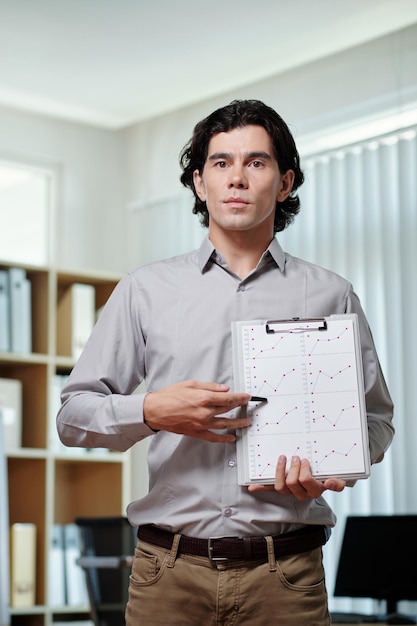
{"type": "Point", "coordinates": [359, 218]}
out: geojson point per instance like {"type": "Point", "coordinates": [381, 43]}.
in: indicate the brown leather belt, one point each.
{"type": "Point", "coordinates": [238, 548]}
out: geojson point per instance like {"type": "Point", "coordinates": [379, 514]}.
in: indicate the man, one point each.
{"type": "Point", "coordinates": [170, 324]}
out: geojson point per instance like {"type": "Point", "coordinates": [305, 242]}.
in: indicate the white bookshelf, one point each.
{"type": "Point", "coordinates": [48, 485]}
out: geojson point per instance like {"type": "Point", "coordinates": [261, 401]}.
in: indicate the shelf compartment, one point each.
{"type": "Point", "coordinates": [27, 503]}
{"type": "Point", "coordinates": [79, 299]}
{"type": "Point", "coordinates": [87, 488]}
{"type": "Point", "coordinates": [39, 279]}
{"type": "Point", "coordinates": [33, 377]}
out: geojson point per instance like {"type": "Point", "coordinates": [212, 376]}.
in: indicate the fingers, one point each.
{"type": "Point", "coordinates": [221, 402]}
{"type": "Point", "coordinates": [280, 475]}
{"type": "Point", "coordinates": [225, 423]}
{"type": "Point", "coordinates": [211, 398]}
{"type": "Point", "coordinates": [218, 394]}
{"type": "Point", "coordinates": [298, 480]}
{"type": "Point", "coordinates": [334, 484]}
{"type": "Point", "coordinates": [209, 401]}
{"type": "Point", "coordinates": [195, 408]}
{"type": "Point", "coordinates": [198, 384]}
{"type": "Point", "coordinates": [253, 488]}
{"type": "Point", "coordinates": [208, 435]}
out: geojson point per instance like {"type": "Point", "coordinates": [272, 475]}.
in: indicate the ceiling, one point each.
{"type": "Point", "coordinates": [112, 63]}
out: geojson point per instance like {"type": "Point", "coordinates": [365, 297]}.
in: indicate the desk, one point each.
{"type": "Point", "coordinates": [360, 623]}
{"type": "Point", "coordinates": [344, 620]}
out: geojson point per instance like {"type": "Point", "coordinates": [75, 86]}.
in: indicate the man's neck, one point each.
{"type": "Point", "coordinates": [241, 250]}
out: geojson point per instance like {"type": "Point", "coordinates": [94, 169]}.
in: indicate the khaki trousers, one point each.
{"type": "Point", "coordinates": [183, 590]}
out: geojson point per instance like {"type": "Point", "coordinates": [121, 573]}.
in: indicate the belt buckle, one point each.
{"type": "Point", "coordinates": [213, 558]}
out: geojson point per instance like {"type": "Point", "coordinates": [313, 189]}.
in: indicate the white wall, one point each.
{"type": "Point", "coordinates": [90, 163]}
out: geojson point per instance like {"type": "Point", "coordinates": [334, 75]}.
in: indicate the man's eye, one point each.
{"type": "Point", "coordinates": [257, 163]}
{"type": "Point", "coordinates": [221, 164]}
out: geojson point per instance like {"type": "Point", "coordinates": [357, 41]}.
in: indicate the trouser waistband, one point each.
{"type": "Point", "coordinates": [238, 548]}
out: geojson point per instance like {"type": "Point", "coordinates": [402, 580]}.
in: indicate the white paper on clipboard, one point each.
{"type": "Point", "coordinates": [310, 370]}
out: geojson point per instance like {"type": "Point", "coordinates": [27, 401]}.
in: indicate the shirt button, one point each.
{"type": "Point", "coordinates": [241, 288]}
{"type": "Point", "coordinates": [231, 462]}
{"type": "Point", "coordinates": [228, 512]}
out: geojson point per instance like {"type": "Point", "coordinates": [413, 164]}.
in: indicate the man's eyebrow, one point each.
{"type": "Point", "coordinates": [219, 155]}
{"type": "Point", "coordinates": [259, 154]}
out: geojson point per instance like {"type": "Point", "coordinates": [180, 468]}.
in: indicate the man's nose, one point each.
{"type": "Point", "coordinates": [237, 178]}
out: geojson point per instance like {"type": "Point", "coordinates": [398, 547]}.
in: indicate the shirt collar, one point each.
{"type": "Point", "coordinates": [277, 253]}
{"type": "Point", "coordinates": [204, 253]}
{"type": "Point", "coordinates": [207, 250]}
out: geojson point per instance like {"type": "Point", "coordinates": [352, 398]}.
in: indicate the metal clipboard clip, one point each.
{"type": "Point", "coordinates": [307, 325]}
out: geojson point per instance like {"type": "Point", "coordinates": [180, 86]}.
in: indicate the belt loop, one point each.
{"type": "Point", "coordinates": [247, 545]}
{"type": "Point", "coordinates": [271, 554]}
{"type": "Point", "coordinates": [174, 550]}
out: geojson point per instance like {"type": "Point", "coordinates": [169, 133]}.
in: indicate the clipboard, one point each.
{"type": "Point", "coordinates": [310, 371]}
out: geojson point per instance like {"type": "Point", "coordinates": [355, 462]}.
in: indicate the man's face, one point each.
{"type": "Point", "coordinates": [241, 181]}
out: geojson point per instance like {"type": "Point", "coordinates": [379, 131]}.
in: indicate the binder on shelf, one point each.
{"type": "Point", "coordinates": [4, 536]}
{"type": "Point", "coordinates": [20, 291]}
{"type": "Point", "coordinates": [76, 588]}
{"type": "Point", "coordinates": [56, 567]}
{"type": "Point", "coordinates": [22, 565]}
{"type": "Point", "coordinates": [310, 372]}
{"type": "Point", "coordinates": [11, 413]}
{"type": "Point", "coordinates": [76, 319]}
{"type": "Point", "coordinates": [4, 312]}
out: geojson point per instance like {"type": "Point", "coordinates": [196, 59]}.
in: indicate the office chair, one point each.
{"type": "Point", "coordinates": [107, 548]}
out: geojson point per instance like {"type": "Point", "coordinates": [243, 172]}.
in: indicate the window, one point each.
{"type": "Point", "coordinates": [25, 214]}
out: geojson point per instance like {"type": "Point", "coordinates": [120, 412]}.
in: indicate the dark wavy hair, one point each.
{"type": "Point", "coordinates": [238, 114]}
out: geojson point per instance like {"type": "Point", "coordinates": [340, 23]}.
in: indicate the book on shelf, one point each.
{"type": "Point", "coordinates": [66, 579]}
{"type": "Point", "coordinates": [22, 565]}
{"type": "Point", "coordinates": [4, 312]}
{"type": "Point", "coordinates": [309, 372]}
{"type": "Point", "coordinates": [11, 413]}
{"type": "Point", "coordinates": [56, 567]}
{"type": "Point", "coordinates": [76, 588]}
{"type": "Point", "coordinates": [76, 318]}
{"type": "Point", "coordinates": [4, 536]}
{"type": "Point", "coordinates": [20, 297]}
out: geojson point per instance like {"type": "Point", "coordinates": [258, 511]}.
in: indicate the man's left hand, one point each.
{"type": "Point", "coordinates": [299, 481]}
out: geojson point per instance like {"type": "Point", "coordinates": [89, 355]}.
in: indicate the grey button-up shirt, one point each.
{"type": "Point", "coordinates": [170, 321]}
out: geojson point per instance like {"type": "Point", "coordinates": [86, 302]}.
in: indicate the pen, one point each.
{"type": "Point", "coordinates": [258, 399]}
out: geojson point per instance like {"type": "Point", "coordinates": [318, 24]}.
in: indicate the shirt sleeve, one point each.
{"type": "Point", "coordinates": [379, 406]}
{"type": "Point", "coordinates": [99, 405]}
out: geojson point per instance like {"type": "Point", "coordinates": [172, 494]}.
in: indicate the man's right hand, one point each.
{"type": "Point", "coordinates": [194, 408]}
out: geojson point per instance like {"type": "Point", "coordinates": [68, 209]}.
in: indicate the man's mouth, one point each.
{"type": "Point", "coordinates": [236, 201]}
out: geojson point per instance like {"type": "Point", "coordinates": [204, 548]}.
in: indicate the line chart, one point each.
{"type": "Point", "coordinates": [312, 378]}
{"type": "Point", "coordinates": [344, 454]}
{"type": "Point", "coordinates": [314, 345]}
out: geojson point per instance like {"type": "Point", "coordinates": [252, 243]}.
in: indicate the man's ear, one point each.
{"type": "Point", "coordinates": [199, 185]}
{"type": "Point", "coordinates": [285, 189]}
